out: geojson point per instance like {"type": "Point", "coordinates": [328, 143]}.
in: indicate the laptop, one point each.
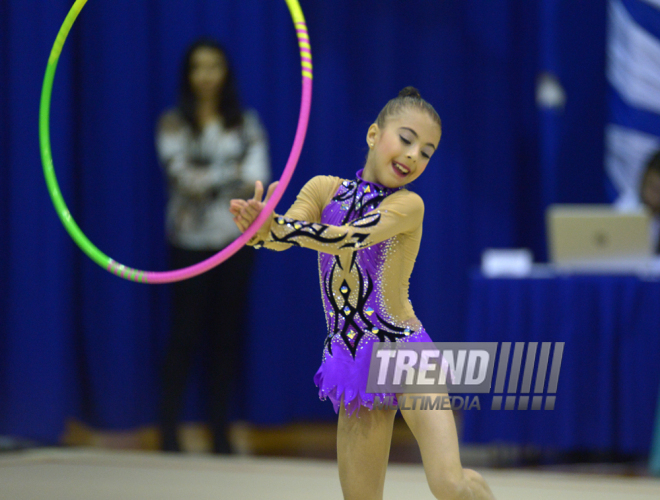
{"type": "Point", "coordinates": [598, 236]}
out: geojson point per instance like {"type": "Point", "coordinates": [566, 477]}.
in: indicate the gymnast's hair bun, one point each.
{"type": "Point", "coordinates": [410, 92]}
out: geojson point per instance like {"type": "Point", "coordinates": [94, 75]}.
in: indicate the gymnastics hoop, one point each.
{"type": "Point", "coordinates": [179, 274]}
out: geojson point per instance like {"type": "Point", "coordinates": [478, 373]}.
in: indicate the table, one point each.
{"type": "Point", "coordinates": [610, 375]}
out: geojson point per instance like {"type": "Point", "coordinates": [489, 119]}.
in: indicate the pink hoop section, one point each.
{"type": "Point", "coordinates": [155, 277]}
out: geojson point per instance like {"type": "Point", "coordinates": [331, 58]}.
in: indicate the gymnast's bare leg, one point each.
{"type": "Point", "coordinates": [435, 432]}
{"type": "Point", "coordinates": [363, 450]}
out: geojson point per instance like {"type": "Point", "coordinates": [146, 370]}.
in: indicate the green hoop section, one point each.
{"type": "Point", "coordinates": [177, 275]}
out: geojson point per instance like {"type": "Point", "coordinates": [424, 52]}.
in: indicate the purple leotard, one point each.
{"type": "Point", "coordinates": [367, 237]}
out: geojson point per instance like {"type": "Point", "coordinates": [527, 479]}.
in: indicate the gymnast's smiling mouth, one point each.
{"type": "Point", "coordinates": [400, 169]}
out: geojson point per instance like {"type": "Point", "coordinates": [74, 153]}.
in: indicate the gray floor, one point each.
{"type": "Point", "coordinates": [90, 474]}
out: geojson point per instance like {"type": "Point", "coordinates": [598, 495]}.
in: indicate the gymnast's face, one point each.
{"type": "Point", "coordinates": [401, 149]}
{"type": "Point", "coordinates": [208, 70]}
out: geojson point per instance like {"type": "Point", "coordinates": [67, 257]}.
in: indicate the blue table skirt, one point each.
{"type": "Point", "coordinates": [608, 386]}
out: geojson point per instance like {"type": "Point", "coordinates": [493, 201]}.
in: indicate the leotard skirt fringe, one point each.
{"type": "Point", "coordinates": [342, 376]}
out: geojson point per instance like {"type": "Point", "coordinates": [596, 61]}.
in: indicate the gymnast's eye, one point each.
{"type": "Point", "coordinates": [425, 155]}
{"type": "Point", "coordinates": [404, 140]}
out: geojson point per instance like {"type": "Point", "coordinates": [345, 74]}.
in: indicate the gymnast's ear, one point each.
{"type": "Point", "coordinates": [372, 135]}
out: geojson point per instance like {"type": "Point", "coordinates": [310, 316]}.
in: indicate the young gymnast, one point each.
{"type": "Point", "coordinates": [367, 232]}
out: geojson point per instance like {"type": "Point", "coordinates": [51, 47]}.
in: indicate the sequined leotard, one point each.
{"type": "Point", "coordinates": [367, 237]}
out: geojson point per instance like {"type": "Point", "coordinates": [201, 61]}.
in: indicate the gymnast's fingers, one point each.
{"type": "Point", "coordinates": [234, 209]}
{"type": "Point", "coordinates": [258, 191]}
{"type": "Point", "coordinates": [237, 202]}
{"type": "Point", "coordinates": [239, 224]}
{"type": "Point", "coordinates": [271, 190]}
{"type": "Point", "coordinates": [252, 210]}
{"type": "Point", "coordinates": [245, 219]}
{"type": "Point", "coordinates": [235, 206]}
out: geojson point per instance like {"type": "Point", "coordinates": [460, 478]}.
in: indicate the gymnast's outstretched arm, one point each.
{"type": "Point", "coordinates": [401, 212]}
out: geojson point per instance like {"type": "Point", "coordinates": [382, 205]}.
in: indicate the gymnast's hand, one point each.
{"type": "Point", "coordinates": [246, 211]}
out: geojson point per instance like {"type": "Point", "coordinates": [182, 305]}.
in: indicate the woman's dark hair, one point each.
{"type": "Point", "coordinates": [408, 97]}
{"type": "Point", "coordinates": [229, 106]}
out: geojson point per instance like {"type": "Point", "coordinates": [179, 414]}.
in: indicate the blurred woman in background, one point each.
{"type": "Point", "coordinates": [211, 151]}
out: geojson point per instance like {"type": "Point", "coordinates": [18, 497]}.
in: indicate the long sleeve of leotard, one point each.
{"type": "Point", "coordinates": [401, 212]}
{"type": "Point", "coordinates": [308, 206]}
